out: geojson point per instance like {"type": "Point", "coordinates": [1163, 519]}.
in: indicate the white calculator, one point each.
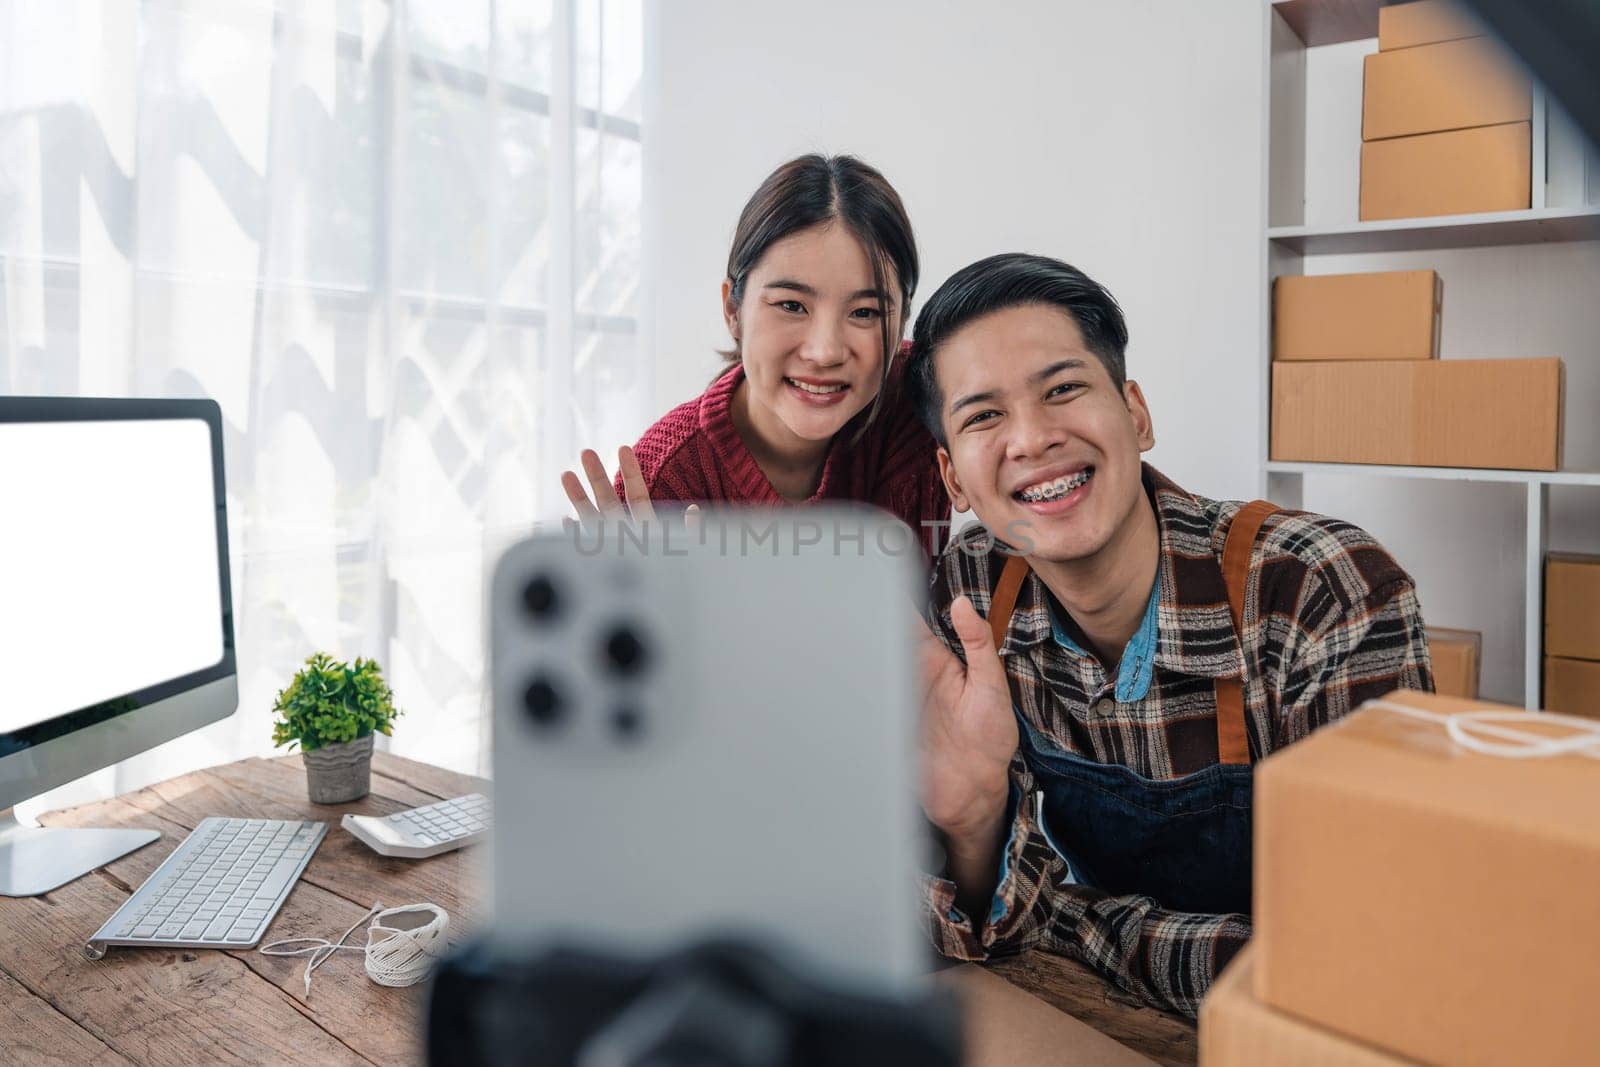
{"type": "Point", "coordinates": [425, 831]}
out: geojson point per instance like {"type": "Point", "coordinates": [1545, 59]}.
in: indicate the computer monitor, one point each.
{"type": "Point", "coordinates": [116, 624]}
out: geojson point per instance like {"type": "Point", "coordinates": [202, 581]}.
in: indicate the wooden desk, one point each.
{"type": "Point", "coordinates": [189, 1008]}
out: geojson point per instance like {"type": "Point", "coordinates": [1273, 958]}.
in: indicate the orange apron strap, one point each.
{"type": "Point", "coordinates": [1004, 601]}
{"type": "Point", "coordinates": [1233, 740]}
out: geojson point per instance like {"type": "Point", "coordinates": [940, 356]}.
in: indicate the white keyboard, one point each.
{"type": "Point", "coordinates": [425, 831]}
{"type": "Point", "coordinates": [220, 888]}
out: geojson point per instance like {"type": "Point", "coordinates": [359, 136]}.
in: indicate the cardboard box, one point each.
{"type": "Point", "coordinates": [1450, 86]}
{"type": "Point", "coordinates": [1572, 686]}
{"type": "Point", "coordinates": [1428, 899]}
{"type": "Point", "coordinates": [1385, 315]}
{"type": "Point", "coordinates": [1238, 1030]}
{"type": "Point", "coordinates": [1456, 655]}
{"type": "Point", "coordinates": [1572, 605]}
{"type": "Point", "coordinates": [1424, 22]}
{"type": "Point", "coordinates": [1456, 173]}
{"type": "Point", "coordinates": [1491, 413]}
{"type": "Point", "coordinates": [1004, 1025]}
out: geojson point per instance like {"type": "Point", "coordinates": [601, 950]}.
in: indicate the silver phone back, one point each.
{"type": "Point", "coordinates": [750, 772]}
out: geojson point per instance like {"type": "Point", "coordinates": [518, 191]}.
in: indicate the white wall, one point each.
{"type": "Point", "coordinates": [1121, 135]}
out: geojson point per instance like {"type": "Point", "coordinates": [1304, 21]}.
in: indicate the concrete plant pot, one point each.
{"type": "Point", "coordinates": [339, 773]}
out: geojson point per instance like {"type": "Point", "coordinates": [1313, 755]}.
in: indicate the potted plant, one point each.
{"type": "Point", "coordinates": [331, 710]}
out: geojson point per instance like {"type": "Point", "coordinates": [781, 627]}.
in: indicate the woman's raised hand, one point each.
{"type": "Point", "coordinates": [604, 506]}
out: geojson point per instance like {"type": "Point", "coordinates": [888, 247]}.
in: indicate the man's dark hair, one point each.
{"type": "Point", "coordinates": [1012, 279]}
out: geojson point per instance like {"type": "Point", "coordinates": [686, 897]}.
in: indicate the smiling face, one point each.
{"type": "Point", "coordinates": [810, 336]}
{"type": "Point", "coordinates": [1041, 442]}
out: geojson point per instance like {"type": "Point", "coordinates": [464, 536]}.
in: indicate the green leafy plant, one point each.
{"type": "Point", "coordinates": [330, 702]}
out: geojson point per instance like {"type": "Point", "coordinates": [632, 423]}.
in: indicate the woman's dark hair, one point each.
{"type": "Point", "coordinates": [1009, 280]}
{"type": "Point", "coordinates": [815, 189]}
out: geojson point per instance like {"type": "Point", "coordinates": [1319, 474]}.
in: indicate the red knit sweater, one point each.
{"type": "Point", "coordinates": [695, 453]}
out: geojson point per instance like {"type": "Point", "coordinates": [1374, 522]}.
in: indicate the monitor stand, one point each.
{"type": "Point", "coordinates": [35, 859]}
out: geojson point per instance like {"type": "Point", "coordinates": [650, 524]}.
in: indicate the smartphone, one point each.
{"type": "Point", "coordinates": [711, 731]}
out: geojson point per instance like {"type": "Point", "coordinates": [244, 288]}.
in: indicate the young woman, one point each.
{"type": "Point", "coordinates": [820, 277]}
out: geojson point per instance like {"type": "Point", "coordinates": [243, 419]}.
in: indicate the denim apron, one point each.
{"type": "Point", "coordinates": [1184, 841]}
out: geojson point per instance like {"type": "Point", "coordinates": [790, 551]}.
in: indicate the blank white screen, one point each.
{"type": "Point", "coordinates": [108, 562]}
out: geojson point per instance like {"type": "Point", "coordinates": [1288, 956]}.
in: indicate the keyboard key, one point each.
{"type": "Point", "coordinates": [279, 878]}
{"type": "Point", "coordinates": [219, 927]}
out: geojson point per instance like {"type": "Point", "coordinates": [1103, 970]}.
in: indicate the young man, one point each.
{"type": "Point", "coordinates": [1088, 746]}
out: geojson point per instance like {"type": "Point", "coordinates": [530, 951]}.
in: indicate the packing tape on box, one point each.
{"type": "Point", "coordinates": [410, 940]}
{"type": "Point", "coordinates": [1494, 733]}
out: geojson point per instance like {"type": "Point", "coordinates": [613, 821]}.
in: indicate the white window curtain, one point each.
{"type": "Point", "coordinates": [399, 243]}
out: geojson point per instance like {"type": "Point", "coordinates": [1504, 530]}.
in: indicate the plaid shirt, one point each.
{"type": "Point", "coordinates": [1330, 620]}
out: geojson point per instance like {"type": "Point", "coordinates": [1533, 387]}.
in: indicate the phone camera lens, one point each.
{"type": "Point", "coordinates": [628, 723]}
{"type": "Point", "coordinates": [624, 651]}
{"type": "Point", "coordinates": [543, 703]}
{"type": "Point", "coordinates": [540, 598]}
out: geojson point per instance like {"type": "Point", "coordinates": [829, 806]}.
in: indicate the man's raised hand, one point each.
{"type": "Point", "coordinates": [969, 732]}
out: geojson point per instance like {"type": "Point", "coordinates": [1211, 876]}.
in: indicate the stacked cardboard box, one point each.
{"type": "Point", "coordinates": [1237, 1029]}
{"type": "Point", "coordinates": [1356, 379]}
{"type": "Point", "coordinates": [1489, 413]}
{"type": "Point", "coordinates": [1456, 655]}
{"type": "Point", "coordinates": [1446, 122]}
{"type": "Point", "coordinates": [1572, 634]}
{"type": "Point", "coordinates": [1383, 315]}
{"type": "Point", "coordinates": [1417, 900]}
{"type": "Point", "coordinates": [1406, 25]}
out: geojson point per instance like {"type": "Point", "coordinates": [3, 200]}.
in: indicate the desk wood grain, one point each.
{"type": "Point", "coordinates": [170, 1006]}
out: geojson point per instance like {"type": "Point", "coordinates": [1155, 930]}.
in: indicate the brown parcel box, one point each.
{"type": "Point", "coordinates": [1456, 655]}
{"type": "Point", "coordinates": [1572, 605]}
{"type": "Point", "coordinates": [1430, 900]}
{"type": "Point", "coordinates": [1493, 413]}
{"type": "Point", "coordinates": [1423, 22]}
{"type": "Point", "coordinates": [1454, 173]}
{"type": "Point", "coordinates": [1449, 86]}
{"type": "Point", "coordinates": [1385, 315]}
{"type": "Point", "coordinates": [1005, 1025]}
{"type": "Point", "coordinates": [1572, 686]}
{"type": "Point", "coordinates": [1237, 1030]}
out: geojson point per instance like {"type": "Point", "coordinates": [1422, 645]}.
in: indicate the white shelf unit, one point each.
{"type": "Point", "coordinates": [1490, 229]}
{"type": "Point", "coordinates": [1524, 283]}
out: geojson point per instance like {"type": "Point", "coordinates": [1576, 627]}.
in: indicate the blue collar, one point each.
{"type": "Point", "coordinates": [1138, 658]}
